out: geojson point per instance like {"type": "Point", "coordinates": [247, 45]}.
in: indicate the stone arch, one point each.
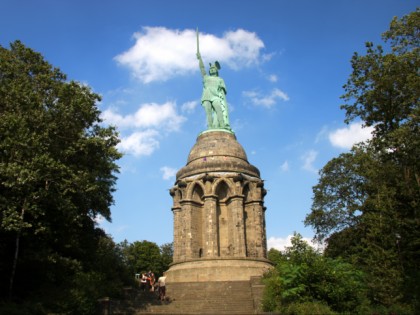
{"type": "Point", "coordinates": [223, 188]}
{"type": "Point", "coordinates": [197, 193]}
{"type": "Point", "coordinates": [246, 192]}
{"type": "Point", "coordinates": [178, 195]}
{"type": "Point", "coordinates": [193, 188]}
{"type": "Point", "coordinates": [197, 225]}
{"type": "Point", "coordinates": [223, 191]}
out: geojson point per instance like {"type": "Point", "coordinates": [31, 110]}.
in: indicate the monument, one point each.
{"type": "Point", "coordinates": [218, 201]}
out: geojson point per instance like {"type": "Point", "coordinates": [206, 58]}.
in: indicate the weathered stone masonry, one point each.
{"type": "Point", "coordinates": [219, 213]}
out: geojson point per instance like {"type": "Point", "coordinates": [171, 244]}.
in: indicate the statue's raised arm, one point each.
{"type": "Point", "coordinates": [213, 98]}
{"type": "Point", "coordinates": [200, 61]}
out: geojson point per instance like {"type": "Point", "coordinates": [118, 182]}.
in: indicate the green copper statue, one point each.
{"type": "Point", "coordinates": [213, 98]}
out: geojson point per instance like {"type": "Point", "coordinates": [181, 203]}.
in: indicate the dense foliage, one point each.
{"type": "Point", "coordinates": [367, 202]}
{"type": "Point", "coordinates": [366, 206]}
{"type": "Point", "coordinates": [145, 256]}
{"type": "Point", "coordinates": [306, 282]}
{"type": "Point", "coordinates": [57, 175]}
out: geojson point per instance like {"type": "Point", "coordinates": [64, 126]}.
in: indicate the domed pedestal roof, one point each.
{"type": "Point", "coordinates": [217, 151]}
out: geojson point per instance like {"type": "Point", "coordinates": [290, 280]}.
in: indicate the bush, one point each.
{"type": "Point", "coordinates": [28, 308]}
{"type": "Point", "coordinates": [271, 299]}
{"type": "Point", "coordinates": [307, 308]}
{"type": "Point", "coordinates": [303, 275]}
{"type": "Point", "coordinates": [397, 309]}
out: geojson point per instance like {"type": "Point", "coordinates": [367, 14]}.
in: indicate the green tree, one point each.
{"type": "Point", "coordinates": [143, 256]}
{"type": "Point", "coordinates": [367, 202]}
{"type": "Point", "coordinates": [102, 273]}
{"type": "Point", "coordinates": [306, 282]}
{"type": "Point", "coordinates": [166, 253]}
{"type": "Point", "coordinates": [275, 256]}
{"type": "Point", "coordinates": [57, 173]}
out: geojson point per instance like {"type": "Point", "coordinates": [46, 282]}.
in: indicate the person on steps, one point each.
{"type": "Point", "coordinates": [162, 287]}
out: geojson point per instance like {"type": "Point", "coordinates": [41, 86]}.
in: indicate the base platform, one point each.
{"type": "Point", "coordinates": [204, 270]}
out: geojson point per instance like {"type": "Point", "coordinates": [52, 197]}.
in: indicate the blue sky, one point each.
{"type": "Point", "coordinates": [284, 64]}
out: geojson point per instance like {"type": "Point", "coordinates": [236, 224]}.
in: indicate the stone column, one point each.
{"type": "Point", "coordinates": [259, 230]}
{"type": "Point", "coordinates": [264, 233]}
{"type": "Point", "coordinates": [211, 246]}
{"type": "Point", "coordinates": [236, 205]}
{"type": "Point", "coordinates": [177, 237]}
{"type": "Point", "coordinates": [186, 228]}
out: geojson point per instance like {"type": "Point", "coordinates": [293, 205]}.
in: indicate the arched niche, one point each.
{"type": "Point", "coordinates": [197, 193]}
{"type": "Point", "coordinates": [197, 226]}
{"type": "Point", "coordinates": [222, 190]}
{"type": "Point", "coordinates": [246, 191]}
{"type": "Point", "coordinates": [178, 195]}
{"type": "Point", "coordinates": [224, 241]}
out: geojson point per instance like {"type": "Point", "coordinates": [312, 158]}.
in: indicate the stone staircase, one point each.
{"type": "Point", "coordinates": [221, 297]}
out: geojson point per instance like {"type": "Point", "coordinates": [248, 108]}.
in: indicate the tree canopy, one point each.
{"type": "Point", "coordinates": [306, 282]}
{"type": "Point", "coordinates": [144, 256]}
{"type": "Point", "coordinates": [57, 174]}
{"type": "Point", "coordinates": [366, 204]}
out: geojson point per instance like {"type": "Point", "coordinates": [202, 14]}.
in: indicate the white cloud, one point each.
{"type": "Point", "coordinates": [322, 134]}
{"type": "Point", "coordinates": [272, 78]}
{"type": "Point", "coordinates": [280, 243]}
{"type": "Point", "coordinates": [147, 116]}
{"type": "Point", "coordinates": [308, 160]}
{"type": "Point", "coordinates": [280, 94]}
{"type": "Point", "coordinates": [267, 57]}
{"type": "Point", "coordinates": [140, 143]}
{"type": "Point", "coordinates": [269, 100]}
{"type": "Point", "coordinates": [348, 136]}
{"type": "Point", "coordinates": [99, 219]}
{"type": "Point", "coordinates": [143, 129]}
{"type": "Point", "coordinates": [159, 53]}
{"type": "Point", "coordinates": [189, 107]}
{"type": "Point", "coordinates": [168, 172]}
{"type": "Point", "coordinates": [244, 48]}
{"type": "Point", "coordinates": [285, 166]}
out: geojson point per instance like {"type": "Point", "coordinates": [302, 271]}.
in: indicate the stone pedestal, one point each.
{"type": "Point", "coordinates": [219, 214]}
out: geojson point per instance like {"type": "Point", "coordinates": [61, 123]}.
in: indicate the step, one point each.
{"type": "Point", "coordinates": [219, 297]}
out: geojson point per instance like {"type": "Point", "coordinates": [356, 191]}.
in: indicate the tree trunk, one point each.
{"type": "Point", "coordinates": [15, 258]}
